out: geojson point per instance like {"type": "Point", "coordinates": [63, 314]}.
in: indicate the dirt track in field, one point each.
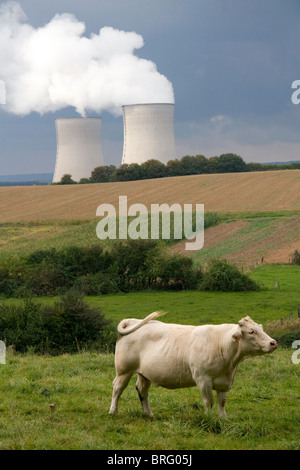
{"type": "Point", "coordinates": [234, 192]}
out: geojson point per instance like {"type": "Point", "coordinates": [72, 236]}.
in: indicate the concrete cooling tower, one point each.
{"type": "Point", "coordinates": [79, 147]}
{"type": "Point", "coordinates": [148, 133]}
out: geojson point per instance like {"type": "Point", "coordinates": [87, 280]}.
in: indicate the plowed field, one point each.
{"type": "Point", "coordinates": [234, 192]}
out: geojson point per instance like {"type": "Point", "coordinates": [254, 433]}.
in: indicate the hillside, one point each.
{"type": "Point", "coordinates": [261, 210]}
{"type": "Point", "coordinates": [229, 192]}
{"type": "Point", "coordinates": [249, 242]}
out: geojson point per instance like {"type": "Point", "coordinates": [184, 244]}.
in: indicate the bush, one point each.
{"type": "Point", "coordinates": [67, 179]}
{"type": "Point", "coordinates": [97, 284]}
{"type": "Point", "coordinates": [67, 327]}
{"type": "Point", "coordinates": [296, 258]}
{"type": "Point", "coordinates": [178, 273]}
{"type": "Point", "coordinates": [285, 332]}
{"type": "Point", "coordinates": [23, 326]}
{"type": "Point", "coordinates": [223, 276]}
{"type": "Point", "coordinates": [128, 265]}
{"type": "Point", "coordinates": [286, 341]}
{"type": "Point", "coordinates": [54, 271]}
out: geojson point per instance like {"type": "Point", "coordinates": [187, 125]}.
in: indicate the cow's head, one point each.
{"type": "Point", "coordinates": [252, 339]}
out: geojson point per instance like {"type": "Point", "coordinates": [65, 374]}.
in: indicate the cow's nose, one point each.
{"type": "Point", "coordinates": [273, 343]}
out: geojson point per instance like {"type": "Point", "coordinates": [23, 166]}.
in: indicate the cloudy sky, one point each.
{"type": "Point", "coordinates": [228, 64]}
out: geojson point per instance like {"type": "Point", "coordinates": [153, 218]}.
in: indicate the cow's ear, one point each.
{"type": "Point", "coordinates": [237, 335]}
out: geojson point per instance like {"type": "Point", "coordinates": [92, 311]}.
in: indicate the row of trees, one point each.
{"type": "Point", "coordinates": [188, 165]}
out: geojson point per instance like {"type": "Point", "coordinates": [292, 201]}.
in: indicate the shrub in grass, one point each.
{"type": "Point", "coordinates": [226, 277]}
{"type": "Point", "coordinates": [23, 326]}
{"type": "Point", "coordinates": [287, 340]}
{"type": "Point", "coordinates": [73, 325]}
{"type": "Point", "coordinates": [135, 263]}
{"type": "Point", "coordinates": [177, 273]}
{"type": "Point", "coordinates": [97, 284]}
{"type": "Point", "coordinates": [285, 333]}
{"type": "Point", "coordinates": [70, 325]}
{"type": "Point", "coordinates": [296, 258]}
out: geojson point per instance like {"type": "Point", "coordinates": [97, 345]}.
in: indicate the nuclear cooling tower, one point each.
{"type": "Point", "coordinates": [148, 132]}
{"type": "Point", "coordinates": [79, 147]}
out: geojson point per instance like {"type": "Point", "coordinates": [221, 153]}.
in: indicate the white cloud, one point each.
{"type": "Point", "coordinates": [55, 66]}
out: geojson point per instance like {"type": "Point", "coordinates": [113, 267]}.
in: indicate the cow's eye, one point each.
{"type": "Point", "coordinates": [251, 332]}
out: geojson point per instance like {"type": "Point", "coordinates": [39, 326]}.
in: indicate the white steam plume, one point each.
{"type": "Point", "coordinates": [55, 66]}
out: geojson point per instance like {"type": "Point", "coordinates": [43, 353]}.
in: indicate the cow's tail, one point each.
{"type": "Point", "coordinates": [125, 328]}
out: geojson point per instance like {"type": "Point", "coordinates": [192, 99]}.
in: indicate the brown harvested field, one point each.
{"type": "Point", "coordinates": [235, 192]}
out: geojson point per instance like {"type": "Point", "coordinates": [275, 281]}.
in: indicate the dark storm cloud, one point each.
{"type": "Point", "coordinates": [231, 63]}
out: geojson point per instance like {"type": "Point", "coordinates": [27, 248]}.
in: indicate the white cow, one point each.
{"type": "Point", "coordinates": [178, 356]}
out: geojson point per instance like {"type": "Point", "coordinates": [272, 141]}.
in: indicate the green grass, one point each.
{"type": "Point", "coordinates": [18, 238]}
{"type": "Point", "coordinates": [257, 214]}
{"type": "Point", "coordinates": [263, 408]}
{"type": "Point", "coordinates": [263, 405]}
{"type": "Point", "coordinates": [24, 238]}
{"type": "Point", "coordinates": [196, 307]}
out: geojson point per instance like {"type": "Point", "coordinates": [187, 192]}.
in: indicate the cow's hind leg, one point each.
{"type": "Point", "coordinates": [119, 384]}
{"type": "Point", "coordinates": [142, 386]}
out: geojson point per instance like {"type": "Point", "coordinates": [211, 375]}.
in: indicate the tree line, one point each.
{"type": "Point", "coordinates": [187, 165]}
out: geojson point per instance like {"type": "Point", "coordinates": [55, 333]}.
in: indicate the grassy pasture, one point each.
{"type": "Point", "coordinates": [263, 406]}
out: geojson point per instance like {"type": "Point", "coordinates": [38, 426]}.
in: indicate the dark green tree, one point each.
{"type": "Point", "coordinates": [102, 174]}
{"type": "Point", "coordinates": [154, 169]}
{"type": "Point", "coordinates": [128, 172]}
{"type": "Point", "coordinates": [174, 168]}
{"type": "Point", "coordinates": [67, 179]}
{"type": "Point", "coordinates": [231, 163]}
{"type": "Point", "coordinates": [213, 165]}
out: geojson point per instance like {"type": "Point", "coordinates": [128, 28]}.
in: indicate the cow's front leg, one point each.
{"type": "Point", "coordinates": [221, 402]}
{"type": "Point", "coordinates": [205, 388]}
